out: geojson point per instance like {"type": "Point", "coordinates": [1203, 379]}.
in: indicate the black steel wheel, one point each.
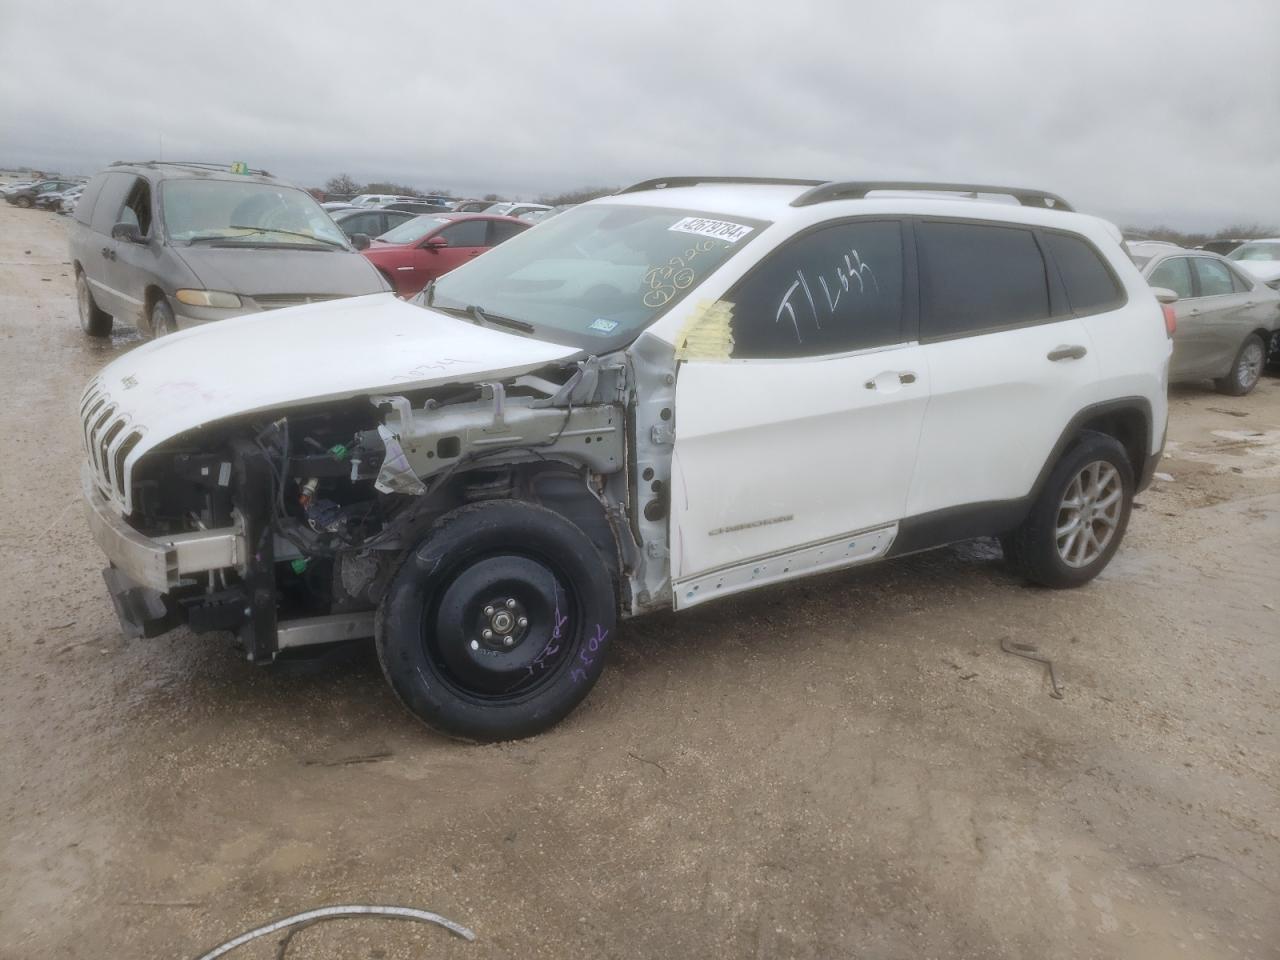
{"type": "Point", "coordinates": [495, 627]}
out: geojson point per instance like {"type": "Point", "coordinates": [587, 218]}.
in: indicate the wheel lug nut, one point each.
{"type": "Point", "coordinates": [475, 645]}
{"type": "Point", "coordinates": [523, 621]}
{"type": "Point", "coordinates": [508, 641]}
{"type": "Point", "coordinates": [487, 634]}
{"type": "Point", "coordinates": [488, 611]}
{"type": "Point", "coordinates": [511, 604]}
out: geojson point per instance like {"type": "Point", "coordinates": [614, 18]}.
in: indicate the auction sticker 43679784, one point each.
{"type": "Point", "coordinates": [719, 229]}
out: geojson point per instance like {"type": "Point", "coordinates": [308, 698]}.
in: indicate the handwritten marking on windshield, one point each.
{"type": "Point", "coordinates": [676, 274]}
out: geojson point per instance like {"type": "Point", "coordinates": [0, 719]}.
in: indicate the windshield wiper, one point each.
{"type": "Point", "coordinates": [255, 230]}
{"type": "Point", "coordinates": [486, 317]}
{"type": "Point", "coordinates": [481, 317]}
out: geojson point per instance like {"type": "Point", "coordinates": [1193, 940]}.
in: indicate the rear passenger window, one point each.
{"type": "Point", "coordinates": [835, 289]}
{"type": "Point", "coordinates": [1173, 274]}
{"type": "Point", "coordinates": [975, 277]}
{"type": "Point", "coordinates": [1240, 283]}
{"type": "Point", "coordinates": [1215, 279]}
{"type": "Point", "coordinates": [1090, 286]}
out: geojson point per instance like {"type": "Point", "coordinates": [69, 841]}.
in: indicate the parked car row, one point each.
{"type": "Point", "coordinates": [41, 193]}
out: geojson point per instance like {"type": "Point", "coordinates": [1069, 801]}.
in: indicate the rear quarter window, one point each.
{"type": "Point", "coordinates": [1090, 285]}
{"type": "Point", "coordinates": [978, 277]}
{"type": "Point", "coordinates": [84, 208]}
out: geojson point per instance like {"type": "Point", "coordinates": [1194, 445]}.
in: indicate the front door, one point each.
{"type": "Point", "coordinates": [795, 447]}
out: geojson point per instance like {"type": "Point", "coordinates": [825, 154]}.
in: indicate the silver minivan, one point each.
{"type": "Point", "coordinates": [163, 246]}
{"type": "Point", "coordinates": [1225, 318]}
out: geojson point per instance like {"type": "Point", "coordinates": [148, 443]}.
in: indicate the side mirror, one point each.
{"type": "Point", "coordinates": [360, 241]}
{"type": "Point", "coordinates": [435, 243]}
{"type": "Point", "coordinates": [1164, 294]}
{"type": "Point", "coordinates": [127, 231]}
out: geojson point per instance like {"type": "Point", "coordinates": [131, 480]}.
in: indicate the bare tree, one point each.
{"type": "Point", "coordinates": [343, 185]}
{"type": "Point", "coordinates": [580, 195]}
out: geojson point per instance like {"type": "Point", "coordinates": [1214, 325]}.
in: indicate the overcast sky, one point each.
{"type": "Point", "coordinates": [1141, 112]}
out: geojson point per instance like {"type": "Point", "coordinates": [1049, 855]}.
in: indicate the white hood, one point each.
{"type": "Point", "coordinates": [1264, 270]}
{"type": "Point", "coordinates": [295, 357]}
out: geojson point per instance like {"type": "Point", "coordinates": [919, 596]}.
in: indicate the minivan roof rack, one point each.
{"type": "Point", "coordinates": [199, 164]}
{"type": "Point", "coordinates": [858, 190]}
{"type": "Point", "coordinates": [660, 183]}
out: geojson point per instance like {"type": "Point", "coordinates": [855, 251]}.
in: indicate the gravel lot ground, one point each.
{"type": "Point", "coordinates": [848, 767]}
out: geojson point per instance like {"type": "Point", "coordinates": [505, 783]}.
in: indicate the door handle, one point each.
{"type": "Point", "coordinates": [1073, 352]}
{"type": "Point", "coordinates": [904, 376]}
{"type": "Point", "coordinates": [1193, 312]}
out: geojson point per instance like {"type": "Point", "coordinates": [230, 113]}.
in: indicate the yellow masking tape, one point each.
{"type": "Point", "coordinates": [707, 334]}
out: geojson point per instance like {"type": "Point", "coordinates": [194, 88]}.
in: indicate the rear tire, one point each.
{"type": "Point", "coordinates": [1247, 368]}
{"type": "Point", "coordinates": [1076, 524]}
{"type": "Point", "coordinates": [94, 321]}
{"type": "Point", "coordinates": [496, 625]}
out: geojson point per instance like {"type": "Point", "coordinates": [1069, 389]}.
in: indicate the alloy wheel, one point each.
{"type": "Point", "coordinates": [1249, 369]}
{"type": "Point", "coordinates": [1089, 514]}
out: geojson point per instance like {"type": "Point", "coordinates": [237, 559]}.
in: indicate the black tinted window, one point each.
{"type": "Point", "coordinates": [1215, 278]}
{"type": "Point", "coordinates": [835, 289]}
{"type": "Point", "coordinates": [1090, 286]}
{"type": "Point", "coordinates": [976, 277]}
{"type": "Point", "coordinates": [466, 233]}
{"type": "Point", "coordinates": [500, 230]}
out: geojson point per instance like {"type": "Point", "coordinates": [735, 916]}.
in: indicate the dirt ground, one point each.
{"type": "Point", "coordinates": [848, 767]}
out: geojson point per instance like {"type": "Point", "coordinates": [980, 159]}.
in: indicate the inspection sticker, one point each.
{"type": "Point", "coordinates": [603, 325]}
{"type": "Point", "coordinates": [718, 229]}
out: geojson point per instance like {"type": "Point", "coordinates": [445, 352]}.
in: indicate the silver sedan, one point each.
{"type": "Point", "coordinates": [1226, 318]}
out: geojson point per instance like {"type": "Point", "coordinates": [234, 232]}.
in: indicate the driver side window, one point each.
{"type": "Point", "coordinates": [467, 233]}
{"type": "Point", "coordinates": [831, 290]}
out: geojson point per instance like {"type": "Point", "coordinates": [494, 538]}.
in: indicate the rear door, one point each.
{"type": "Point", "coordinates": [795, 448]}
{"type": "Point", "coordinates": [1189, 340]}
{"type": "Point", "coordinates": [1009, 365]}
{"type": "Point", "coordinates": [1225, 314]}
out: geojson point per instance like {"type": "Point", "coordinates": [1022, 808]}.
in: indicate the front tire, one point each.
{"type": "Point", "coordinates": [496, 625]}
{"type": "Point", "coordinates": [94, 321]}
{"type": "Point", "coordinates": [161, 319]}
{"type": "Point", "coordinates": [1076, 524]}
{"type": "Point", "coordinates": [1247, 368]}
{"type": "Point", "coordinates": [24, 202]}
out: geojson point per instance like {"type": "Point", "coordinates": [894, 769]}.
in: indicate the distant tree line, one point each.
{"type": "Point", "coordinates": [1236, 231]}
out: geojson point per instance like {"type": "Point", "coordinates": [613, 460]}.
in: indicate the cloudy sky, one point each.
{"type": "Point", "coordinates": [1143, 112]}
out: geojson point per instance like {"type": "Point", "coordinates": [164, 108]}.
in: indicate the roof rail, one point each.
{"type": "Point", "coordinates": [659, 183]}
{"type": "Point", "coordinates": [858, 190]}
{"type": "Point", "coordinates": [199, 164]}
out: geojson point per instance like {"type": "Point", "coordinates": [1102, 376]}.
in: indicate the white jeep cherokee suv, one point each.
{"type": "Point", "coordinates": [692, 388]}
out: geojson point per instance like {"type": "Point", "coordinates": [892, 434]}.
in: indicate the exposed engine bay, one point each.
{"type": "Point", "coordinates": [329, 498]}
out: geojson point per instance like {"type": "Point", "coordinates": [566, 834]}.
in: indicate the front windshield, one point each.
{"type": "Point", "coordinates": [246, 213]}
{"type": "Point", "coordinates": [1256, 251]}
{"type": "Point", "coordinates": [411, 231]}
{"type": "Point", "coordinates": [598, 272]}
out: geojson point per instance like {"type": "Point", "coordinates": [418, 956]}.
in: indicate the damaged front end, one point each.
{"type": "Point", "coordinates": [286, 526]}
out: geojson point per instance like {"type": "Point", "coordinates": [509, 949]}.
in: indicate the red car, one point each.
{"type": "Point", "coordinates": [413, 254]}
